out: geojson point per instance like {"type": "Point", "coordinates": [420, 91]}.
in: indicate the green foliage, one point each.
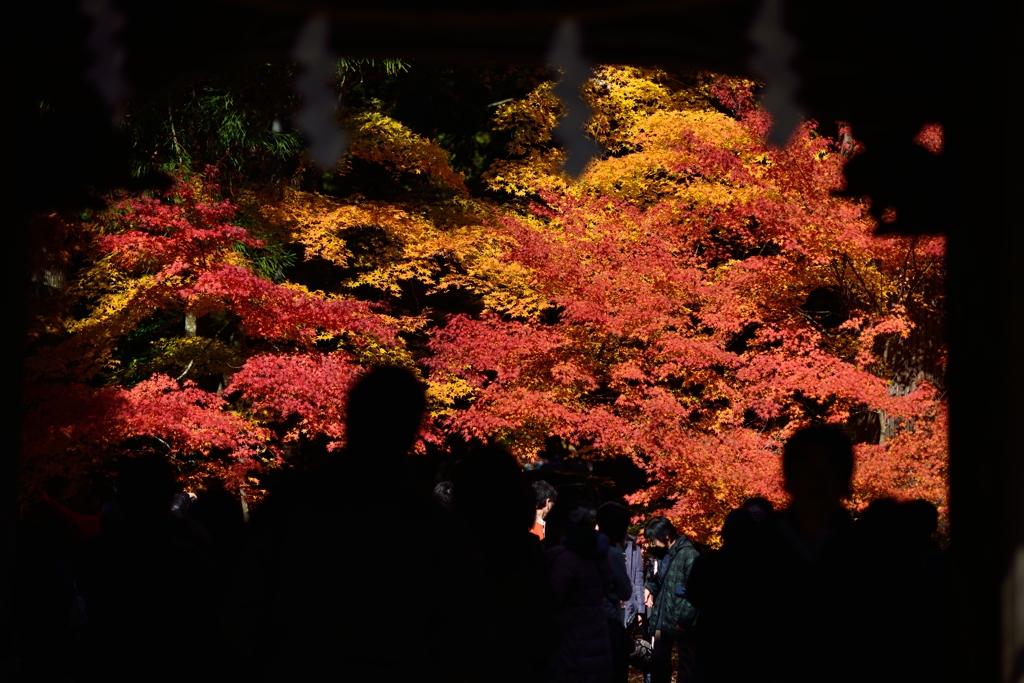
{"type": "Point", "coordinates": [135, 352]}
{"type": "Point", "coordinates": [271, 260]}
{"type": "Point", "coordinates": [234, 131]}
{"type": "Point", "coordinates": [239, 123]}
{"type": "Point", "coordinates": [348, 66]}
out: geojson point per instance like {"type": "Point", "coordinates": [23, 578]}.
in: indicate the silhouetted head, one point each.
{"type": "Point", "coordinates": [580, 534]}
{"type": "Point", "coordinates": [817, 467]}
{"type": "Point", "coordinates": [443, 493]}
{"type": "Point", "coordinates": [759, 508]}
{"type": "Point", "coordinates": [385, 409]}
{"type": "Point", "coordinates": [739, 529]}
{"type": "Point", "coordinates": [884, 522]}
{"type": "Point", "coordinates": [545, 496]}
{"type": "Point", "coordinates": [613, 521]}
{"type": "Point", "coordinates": [882, 512]}
{"type": "Point", "coordinates": [145, 486]}
{"type": "Point", "coordinates": [491, 493]}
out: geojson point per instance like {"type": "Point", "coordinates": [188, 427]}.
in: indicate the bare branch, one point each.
{"type": "Point", "coordinates": [187, 368]}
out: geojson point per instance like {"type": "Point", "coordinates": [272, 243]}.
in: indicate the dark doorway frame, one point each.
{"type": "Point", "coordinates": [883, 68]}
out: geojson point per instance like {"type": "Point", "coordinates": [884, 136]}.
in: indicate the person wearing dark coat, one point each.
{"type": "Point", "coordinates": [137, 578]}
{"type": "Point", "coordinates": [581, 576]}
{"type": "Point", "coordinates": [514, 604]}
{"type": "Point", "coordinates": [613, 521]}
{"type": "Point", "coordinates": [811, 579]}
{"type": "Point", "coordinates": [720, 587]}
{"type": "Point", "coordinates": [296, 610]}
{"type": "Point", "coordinates": [673, 615]}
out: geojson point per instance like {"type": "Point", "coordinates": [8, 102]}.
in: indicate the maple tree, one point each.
{"type": "Point", "coordinates": [171, 310]}
{"type": "Point", "coordinates": [179, 258]}
{"type": "Point", "coordinates": [680, 272]}
{"type": "Point", "coordinates": [688, 302]}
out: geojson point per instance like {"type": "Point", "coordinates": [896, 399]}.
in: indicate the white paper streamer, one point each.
{"type": "Point", "coordinates": [776, 49]}
{"type": "Point", "coordinates": [566, 55]}
{"type": "Point", "coordinates": [105, 74]}
{"type": "Point", "coordinates": [327, 141]}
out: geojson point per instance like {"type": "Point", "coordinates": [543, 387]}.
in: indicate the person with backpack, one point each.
{"type": "Point", "coordinates": [672, 615]}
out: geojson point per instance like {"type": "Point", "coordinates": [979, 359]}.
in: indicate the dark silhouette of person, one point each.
{"type": "Point", "coordinates": [808, 580]}
{"type": "Point", "coordinates": [514, 606]}
{"type": "Point", "coordinates": [220, 514]}
{"type": "Point", "coordinates": [315, 601]}
{"type": "Point", "coordinates": [672, 617]}
{"type": "Point", "coordinates": [905, 582]}
{"type": "Point", "coordinates": [761, 509]}
{"type": "Point", "coordinates": [148, 585]}
{"type": "Point", "coordinates": [719, 586]}
{"type": "Point", "coordinates": [40, 629]}
{"type": "Point", "coordinates": [613, 522]}
{"type": "Point", "coordinates": [581, 576]}
{"type": "Point", "coordinates": [882, 532]}
{"type": "Point", "coordinates": [928, 566]}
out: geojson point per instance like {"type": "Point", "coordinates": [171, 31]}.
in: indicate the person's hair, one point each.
{"type": "Point", "coordinates": [739, 528]}
{"type": "Point", "coordinates": [660, 529]}
{"type": "Point", "coordinates": [443, 493]}
{"type": "Point", "coordinates": [580, 535]}
{"type": "Point", "coordinates": [882, 521]}
{"type": "Point", "coordinates": [385, 409]}
{"type": "Point", "coordinates": [819, 440]}
{"type": "Point", "coordinates": [613, 521]}
{"type": "Point", "coordinates": [542, 493]}
{"type": "Point", "coordinates": [759, 508]}
{"type": "Point", "coordinates": [180, 503]}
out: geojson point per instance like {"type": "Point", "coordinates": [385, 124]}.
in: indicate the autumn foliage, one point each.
{"type": "Point", "coordinates": [689, 302]}
{"type": "Point", "coordinates": [177, 258]}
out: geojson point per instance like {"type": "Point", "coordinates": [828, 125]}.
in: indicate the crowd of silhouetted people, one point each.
{"type": "Point", "coordinates": [356, 571]}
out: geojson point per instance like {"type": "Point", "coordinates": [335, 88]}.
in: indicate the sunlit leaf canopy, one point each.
{"type": "Point", "coordinates": [691, 299]}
